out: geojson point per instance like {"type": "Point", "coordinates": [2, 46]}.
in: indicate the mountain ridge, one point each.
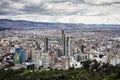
{"type": "Point", "coordinates": [24, 24]}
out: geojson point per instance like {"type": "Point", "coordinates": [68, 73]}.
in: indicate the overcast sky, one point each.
{"type": "Point", "coordinates": [65, 11]}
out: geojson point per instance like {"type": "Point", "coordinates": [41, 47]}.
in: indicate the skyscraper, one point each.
{"type": "Point", "coordinates": [36, 60]}
{"type": "Point", "coordinates": [46, 44]}
{"type": "Point", "coordinates": [22, 55]}
{"type": "Point", "coordinates": [68, 46]}
{"type": "Point", "coordinates": [45, 60]}
{"type": "Point", "coordinates": [63, 41]}
{"type": "Point", "coordinates": [28, 54]}
{"type": "Point", "coordinates": [63, 35]}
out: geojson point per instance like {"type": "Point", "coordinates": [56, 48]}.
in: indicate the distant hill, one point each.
{"type": "Point", "coordinates": [3, 29]}
{"type": "Point", "coordinates": [22, 24]}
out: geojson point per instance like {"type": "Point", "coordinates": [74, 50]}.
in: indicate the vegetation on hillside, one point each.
{"type": "Point", "coordinates": [91, 70]}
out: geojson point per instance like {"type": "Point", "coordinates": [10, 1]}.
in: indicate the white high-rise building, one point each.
{"type": "Point", "coordinates": [36, 60]}
{"type": "Point", "coordinates": [45, 60]}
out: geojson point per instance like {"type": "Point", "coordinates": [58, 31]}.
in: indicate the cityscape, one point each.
{"type": "Point", "coordinates": [58, 49]}
{"type": "Point", "coordinates": [60, 40]}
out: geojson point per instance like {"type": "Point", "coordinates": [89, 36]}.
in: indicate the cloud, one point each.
{"type": "Point", "coordinates": [101, 1]}
{"type": "Point", "coordinates": [62, 10]}
{"type": "Point", "coordinates": [10, 8]}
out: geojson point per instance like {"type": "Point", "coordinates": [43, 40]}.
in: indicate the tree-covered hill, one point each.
{"type": "Point", "coordinates": [104, 72]}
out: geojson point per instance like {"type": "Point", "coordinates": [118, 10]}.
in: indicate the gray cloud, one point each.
{"type": "Point", "coordinates": [55, 9]}
{"type": "Point", "coordinates": [60, 7]}
{"type": "Point", "coordinates": [7, 7]}
{"type": "Point", "coordinates": [41, 8]}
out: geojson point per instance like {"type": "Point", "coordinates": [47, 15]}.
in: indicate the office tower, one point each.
{"type": "Point", "coordinates": [63, 35]}
{"type": "Point", "coordinates": [64, 45]}
{"type": "Point", "coordinates": [82, 48]}
{"type": "Point", "coordinates": [45, 60]}
{"type": "Point", "coordinates": [46, 44]}
{"type": "Point", "coordinates": [63, 41]}
{"type": "Point", "coordinates": [36, 60]}
{"type": "Point", "coordinates": [21, 53]}
{"type": "Point", "coordinates": [29, 54]}
{"type": "Point", "coordinates": [22, 56]}
{"type": "Point", "coordinates": [68, 46]}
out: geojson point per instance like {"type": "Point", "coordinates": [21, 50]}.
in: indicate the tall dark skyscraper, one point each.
{"type": "Point", "coordinates": [46, 44]}
{"type": "Point", "coordinates": [63, 41]}
{"type": "Point", "coordinates": [63, 35]}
